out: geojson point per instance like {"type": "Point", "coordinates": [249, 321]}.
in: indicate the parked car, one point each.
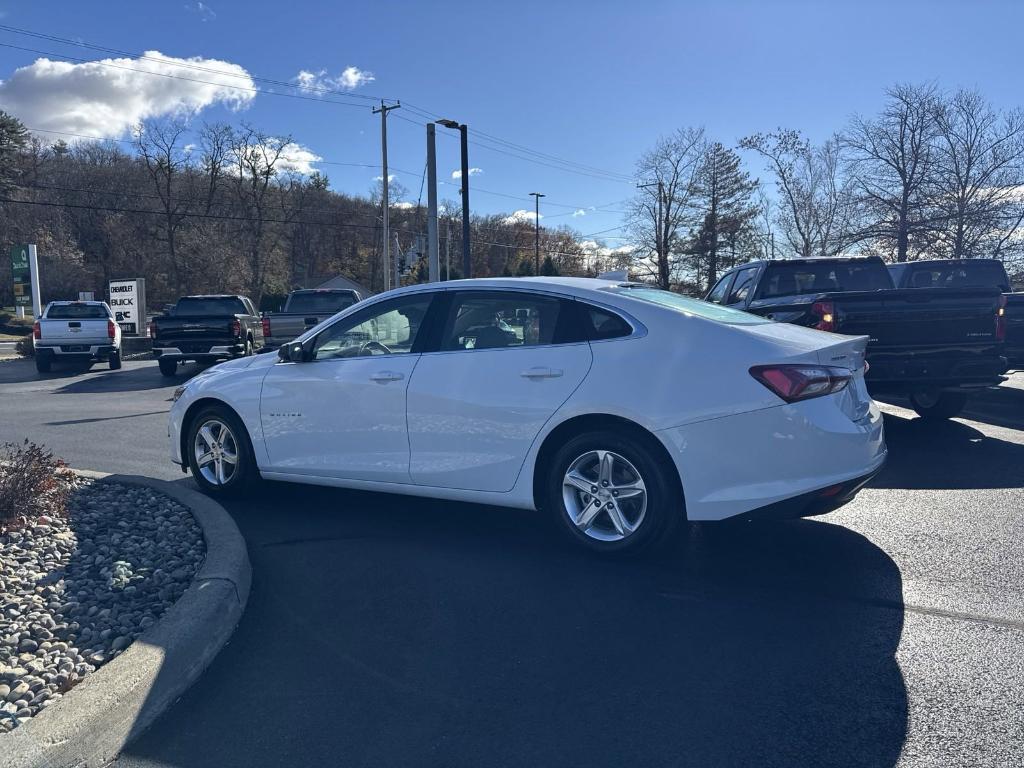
{"type": "Point", "coordinates": [936, 346]}
{"type": "Point", "coordinates": [974, 273]}
{"type": "Point", "coordinates": [620, 409]}
{"type": "Point", "coordinates": [81, 332]}
{"type": "Point", "coordinates": [302, 310]}
{"type": "Point", "coordinates": [206, 329]}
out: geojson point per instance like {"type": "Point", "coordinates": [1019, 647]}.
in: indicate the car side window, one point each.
{"type": "Point", "coordinates": [604, 324]}
{"type": "Point", "coordinates": [717, 295]}
{"type": "Point", "coordinates": [388, 328]}
{"type": "Point", "coordinates": [741, 287]}
{"type": "Point", "coordinates": [500, 320]}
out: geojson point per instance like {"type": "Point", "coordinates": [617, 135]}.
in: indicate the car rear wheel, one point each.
{"type": "Point", "coordinates": [115, 361]}
{"type": "Point", "coordinates": [168, 367]}
{"type": "Point", "coordinates": [612, 494]}
{"type": "Point", "coordinates": [938, 405]}
{"type": "Point", "coordinates": [219, 453]}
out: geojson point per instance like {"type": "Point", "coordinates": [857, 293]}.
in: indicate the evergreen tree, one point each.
{"type": "Point", "coordinates": [13, 140]}
{"type": "Point", "coordinates": [525, 268]}
{"type": "Point", "coordinates": [548, 268]}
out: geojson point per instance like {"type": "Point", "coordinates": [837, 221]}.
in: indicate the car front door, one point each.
{"type": "Point", "coordinates": [500, 372]}
{"type": "Point", "coordinates": [341, 412]}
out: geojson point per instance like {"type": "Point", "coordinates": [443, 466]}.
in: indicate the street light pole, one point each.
{"type": "Point", "coordinates": [467, 260]}
{"type": "Point", "coordinates": [536, 231]}
{"type": "Point", "coordinates": [662, 262]}
{"type": "Point", "coordinates": [433, 267]}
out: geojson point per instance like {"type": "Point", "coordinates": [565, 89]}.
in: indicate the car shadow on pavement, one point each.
{"type": "Point", "coordinates": [386, 630]}
{"type": "Point", "coordinates": [125, 380]}
{"type": "Point", "coordinates": [947, 454]}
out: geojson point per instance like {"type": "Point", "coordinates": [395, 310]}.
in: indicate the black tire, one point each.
{"type": "Point", "coordinates": [245, 475]}
{"type": "Point", "coordinates": [944, 406]}
{"type": "Point", "coordinates": [168, 367]}
{"type": "Point", "coordinates": [664, 507]}
{"type": "Point", "coordinates": [43, 366]}
{"type": "Point", "coordinates": [114, 361]}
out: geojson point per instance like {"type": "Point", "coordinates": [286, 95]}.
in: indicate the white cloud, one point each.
{"type": "Point", "coordinates": [521, 217]}
{"type": "Point", "coordinates": [108, 97]}
{"type": "Point", "coordinates": [318, 82]}
{"type": "Point", "coordinates": [457, 174]}
{"type": "Point", "coordinates": [593, 248]}
{"type": "Point", "coordinates": [391, 177]}
{"type": "Point", "coordinates": [206, 13]}
{"type": "Point", "coordinates": [578, 212]}
{"type": "Point", "coordinates": [299, 159]}
{"type": "Point", "coordinates": [403, 205]}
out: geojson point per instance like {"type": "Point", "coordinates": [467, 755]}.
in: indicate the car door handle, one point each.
{"type": "Point", "coordinates": [541, 373]}
{"type": "Point", "coordinates": [387, 376]}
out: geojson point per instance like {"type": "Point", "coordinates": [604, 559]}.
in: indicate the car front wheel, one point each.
{"type": "Point", "coordinates": [612, 493]}
{"type": "Point", "coordinates": [219, 453]}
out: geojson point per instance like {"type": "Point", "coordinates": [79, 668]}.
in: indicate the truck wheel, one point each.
{"type": "Point", "coordinates": [115, 361]}
{"type": "Point", "coordinates": [938, 405]}
{"type": "Point", "coordinates": [168, 367]}
{"type": "Point", "coordinates": [43, 366]}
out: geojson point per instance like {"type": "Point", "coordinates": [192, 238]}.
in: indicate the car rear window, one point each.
{"type": "Point", "coordinates": [319, 303]}
{"type": "Point", "coordinates": [980, 275]}
{"type": "Point", "coordinates": [209, 305]}
{"type": "Point", "coordinates": [693, 307]}
{"type": "Point", "coordinates": [806, 277]}
{"type": "Point", "coordinates": [77, 312]}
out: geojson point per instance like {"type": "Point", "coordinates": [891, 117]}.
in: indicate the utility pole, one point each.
{"type": "Point", "coordinates": [433, 267]}
{"type": "Point", "coordinates": [536, 231]}
{"type": "Point", "coordinates": [448, 252]}
{"type": "Point", "coordinates": [385, 203]}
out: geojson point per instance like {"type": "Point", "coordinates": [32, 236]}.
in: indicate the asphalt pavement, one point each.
{"type": "Point", "coordinates": [386, 630]}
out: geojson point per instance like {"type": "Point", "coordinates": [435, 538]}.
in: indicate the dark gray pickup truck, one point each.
{"type": "Point", "coordinates": [935, 345]}
{"type": "Point", "coordinates": [302, 310]}
{"type": "Point", "coordinates": [970, 273]}
{"type": "Point", "coordinates": [206, 329]}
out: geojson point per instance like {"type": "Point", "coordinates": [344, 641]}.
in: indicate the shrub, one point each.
{"type": "Point", "coordinates": [24, 347]}
{"type": "Point", "coordinates": [32, 483]}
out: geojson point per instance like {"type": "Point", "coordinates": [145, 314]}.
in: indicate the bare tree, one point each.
{"type": "Point", "coordinates": [892, 162]}
{"type": "Point", "coordinates": [815, 203]}
{"type": "Point", "coordinates": [979, 172]}
{"type": "Point", "coordinates": [673, 163]}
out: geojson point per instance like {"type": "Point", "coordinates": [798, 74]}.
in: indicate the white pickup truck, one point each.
{"type": "Point", "coordinates": [82, 332]}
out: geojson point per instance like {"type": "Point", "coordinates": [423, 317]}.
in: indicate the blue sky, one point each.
{"type": "Point", "coordinates": [593, 82]}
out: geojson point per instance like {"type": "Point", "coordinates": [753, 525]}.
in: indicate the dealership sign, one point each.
{"type": "Point", "coordinates": [128, 302]}
{"type": "Point", "coordinates": [25, 278]}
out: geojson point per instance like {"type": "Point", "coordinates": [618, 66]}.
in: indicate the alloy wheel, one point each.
{"type": "Point", "coordinates": [605, 496]}
{"type": "Point", "coordinates": [216, 452]}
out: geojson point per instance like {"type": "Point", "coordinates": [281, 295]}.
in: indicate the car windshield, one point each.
{"type": "Point", "coordinates": [77, 312]}
{"type": "Point", "coordinates": [319, 302]}
{"type": "Point", "coordinates": [692, 307]}
{"type": "Point", "coordinates": [807, 277]}
{"type": "Point", "coordinates": [191, 306]}
{"type": "Point", "coordinates": [980, 275]}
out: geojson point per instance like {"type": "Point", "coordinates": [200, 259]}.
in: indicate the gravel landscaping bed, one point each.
{"type": "Point", "coordinates": [76, 590]}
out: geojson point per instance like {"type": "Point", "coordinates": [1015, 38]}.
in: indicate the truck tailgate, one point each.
{"type": "Point", "coordinates": [86, 331]}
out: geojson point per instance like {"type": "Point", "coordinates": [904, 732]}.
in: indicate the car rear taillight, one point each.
{"type": "Point", "coordinates": [825, 311]}
{"type": "Point", "coordinates": [236, 328]}
{"type": "Point", "coordinates": [1001, 319]}
{"type": "Point", "coordinates": [111, 329]}
{"type": "Point", "coordinates": [266, 327]}
{"type": "Point", "coordinates": [152, 329]}
{"type": "Point", "coordinates": [801, 382]}
{"type": "Point", "coordinates": [37, 331]}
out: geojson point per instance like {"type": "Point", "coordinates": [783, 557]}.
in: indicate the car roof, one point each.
{"type": "Point", "coordinates": [212, 296]}
{"type": "Point", "coordinates": [66, 302]}
{"type": "Point", "coordinates": [580, 286]}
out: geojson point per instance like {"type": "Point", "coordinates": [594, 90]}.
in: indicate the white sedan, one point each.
{"type": "Point", "coordinates": [618, 408]}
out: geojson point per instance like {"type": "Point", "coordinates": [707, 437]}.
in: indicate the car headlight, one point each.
{"type": "Point", "coordinates": [178, 392]}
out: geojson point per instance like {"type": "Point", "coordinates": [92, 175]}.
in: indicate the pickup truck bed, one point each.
{"type": "Point", "coordinates": [302, 310]}
{"type": "Point", "coordinates": [80, 332]}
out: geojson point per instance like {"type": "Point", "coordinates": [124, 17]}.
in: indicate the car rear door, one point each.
{"type": "Point", "coordinates": [505, 363]}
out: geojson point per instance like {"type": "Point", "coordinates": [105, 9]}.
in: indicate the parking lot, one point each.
{"type": "Point", "coordinates": [387, 630]}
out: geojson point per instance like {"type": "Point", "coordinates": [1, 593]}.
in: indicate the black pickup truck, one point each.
{"type": "Point", "coordinates": [934, 345]}
{"type": "Point", "coordinates": [970, 273]}
{"type": "Point", "coordinates": [206, 329]}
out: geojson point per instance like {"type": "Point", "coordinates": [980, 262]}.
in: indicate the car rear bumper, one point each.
{"type": "Point", "coordinates": [75, 352]}
{"type": "Point", "coordinates": [902, 373]}
{"type": "Point", "coordinates": [817, 502]}
{"type": "Point", "coordinates": [212, 352]}
{"type": "Point", "coordinates": [734, 465]}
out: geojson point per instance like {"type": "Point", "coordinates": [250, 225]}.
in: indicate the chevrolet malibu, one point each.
{"type": "Point", "coordinates": [619, 409]}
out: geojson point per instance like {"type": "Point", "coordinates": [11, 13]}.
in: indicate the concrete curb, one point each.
{"type": "Point", "coordinates": [92, 724]}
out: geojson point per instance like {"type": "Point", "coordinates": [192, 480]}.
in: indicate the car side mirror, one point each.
{"type": "Point", "coordinates": [292, 352]}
